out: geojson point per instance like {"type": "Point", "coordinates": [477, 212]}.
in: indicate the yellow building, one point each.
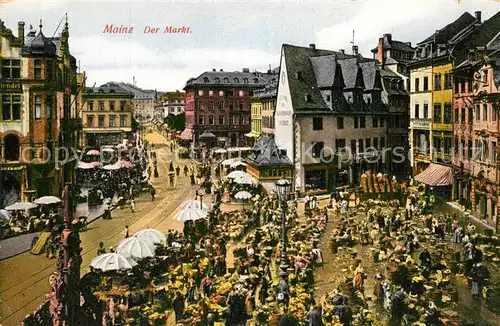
{"type": "Point", "coordinates": [256, 118]}
{"type": "Point", "coordinates": [107, 115]}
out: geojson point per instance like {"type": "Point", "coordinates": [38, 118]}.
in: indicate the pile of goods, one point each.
{"type": "Point", "coordinates": [379, 183]}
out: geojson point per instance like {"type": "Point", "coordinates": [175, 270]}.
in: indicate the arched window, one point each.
{"type": "Point", "coordinates": [11, 147]}
{"type": "Point", "coordinates": [217, 80]}
{"type": "Point", "coordinates": [226, 80]}
{"type": "Point", "coordinates": [236, 80]}
{"type": "Point", "coordinates": [256, 80]}
{"type": "Point", "coordinates": [245, 80]}
{"type": "Point", "coordinates": [206, 80]}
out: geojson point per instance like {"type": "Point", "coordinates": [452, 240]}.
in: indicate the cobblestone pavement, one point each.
{"type": "Point", "coordinates": [24, 278]}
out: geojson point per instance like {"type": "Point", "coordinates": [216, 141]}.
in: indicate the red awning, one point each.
{"type": "Point", "coordinates": [436, 175]}
{"type": "Point", "coordinates": [186, 134]}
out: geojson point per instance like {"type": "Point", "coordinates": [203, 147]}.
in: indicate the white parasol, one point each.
{"type": "Point", "coordinates": [85, 166]}
{"type": "Point", "coordinates": [109, 150]}
{"type": "Point", "coordinates": [247, 179]}
{"type": "Point", "coordinates": [47, 200]}
{"type": "Point", "coordinates": [135, 248]}
{"type": "Point", "coordinates": [243, 195]}
{"type": "Point", "coordinates": [150, 236]}
{"type": "Point", "coordinates": [220, 151]}
{"type": "Point", "coordinates": [194, 204]}
{"type": "Point", "coordinates": [236, 174]}
{"type": "Point", "coordinates": [5, 215]}
{"type": "Point", "coordinates": [190, 214]}
{"type": "Point", "coordinates": [94, 152]}
{"type": "Point", "coordinates": [126, 164]}
{"type": "Point", "coordinates": [21, 206]}
{"type": "Point", "coordinates": [236, 164]}
{"type": "Point", "coordinates": [112, 166]}
{"type": "Point", "coordinates": [112, 262]}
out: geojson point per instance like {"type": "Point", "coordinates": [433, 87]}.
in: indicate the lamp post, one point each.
{"type": "Point", "coordinates": [283, 187]}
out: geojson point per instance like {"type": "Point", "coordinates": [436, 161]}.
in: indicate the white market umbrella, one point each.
{"type": "Point", "coordinates": [194, 204]}
{"type": "Point", "coordinates": [135, 248]}
{"type": "Point", "coordinates": [112, 262]}
{"type": "Point", "coordinates": [150, 236]}
{"type": "Point", "coordinates": [243, 195]}
{"type": "Point", "coordinates": [236, 174]}
{"type": "Point", "coordinates": [21, 206]}
{"type": "Point", "coordinates": [94, 152]}
{"type": "Point", "coordinates": [84, 166]}
{"type": "Point", "coordinates": [112, 167]}
{"type": "Point", "coordinates": [48, 200]}
{"type": "Point", "coordinates": [220, 151]}
{"type": "Point", "coordinates": [190, 214]}
{"type": "Point", "coordinates": [109, 150]}
{"type": "Point", "coordinates": [236, 164]}
{"type": "Point", "coordinates": [5, 215]}
{"type": "Point", "coordinates": [247, 179]}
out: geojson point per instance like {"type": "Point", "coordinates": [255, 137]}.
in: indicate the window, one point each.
{"type": "Point", "coordinates": [340, 123]}
{"type": "Point", "coordinates": [226, 80]}
{"type": "Point", "coordinates": [90, 121]}
{"type": "Point", "coordinates": [375, 122]}
{"type": "Point", "coordinates": [469, 114]}
{"type": "Point", "coordinates": [231, 106]}
{"type": "Point", "coordinates": [211, 105]}
{"type": "Point", "coordinates": [38, 69]}
{"type": "Point", "coordinates": [38, 107]}
{"type": "Point", "coordinates": [255, 80]}
{"type": "Point", "coordinates": [447, 113]}
{"type": "Point", "coordinates": [426, 83]}
{"type": "Point", "coordinates": [210, 93]}
{"type": "Point", "coordinates": [11, 107]}
{"type": "Point", "coordinates": [123, 121]}
{"type": "Point", "coordinates": [381, 122]}
{"type": "Point", "coordinates": [210, 119]}
{"type": "Point", "coordinates": [339, 144]}
{"type": "Point", "coordinates": [221, 119]}
{"type": "Point", "coordinates": [485, 77]}
{"type": "Point", "coordinates": [417, 111]}
{"type": "Point", "coordinates": [317, 123]}
{"type": "Point", "coordinates": [122, 105]}
{"type": "Point", "coordinates": [221, 93]}
{"type": "Point", "coordinates": [201, 120]}
{"type": "Point", "coordinates": [447, 81]}
{"type": "Point", "coordinates": [417, 84]}
{"type": "Point", "coordinates": [90, 106]}
{"type": "Point", "coordinates": [493, 114]}
{"type": "Point", "coordinates": [485, 112]}
{"type": "Point", "coordinates": [361, 145]}
{"type": "Point", "coordinates": [241, 105]}
{"type": "Point", "coordinates": [493, 152]}
{"type": "Point", "coordinates": [317, 148]}
{"type": "Point", "coordinates": [200, 92]}
{"type": "Point", "coordinates": [457, 114]}
{"type": "Point", "coordinates": [241, 93]}
{"type": "Point", "coordinates": [437, 113]}
{"type": "Point", "coordinates": [49, 105]}
{"type": "Point", "coordinates": [112, 106]}
{"type": "Point", "coordinates": [426, 111]}
{"type": "Point", "coordinates": [112, 121]}
{"type": "Point", "coordinates": [328, 98]}
{"type": "Point", "coordinates": [354, 146]}
{"type": "Point", "coordinates": [220, 105]}
{"type": "Point", "coordinates": [477, 113]}
{"type": "Point", "coordinates": [11, 68]}
{"type": "Point", "coordinates": [245, 80]}
{"type": "Point", "coordinates": [236, 80]}
{"type": "Point", "coordinates": [462, 116]}
{"type": "Point", "coordinates": [101, 121]}
{"type": "Point", "coordinates": [356, 122]}
{"type": "Point", "coordinates": [101, 105]}
{"type": "Point", "coordinates": [242, 120]}
{"type": "Point", "coordinates": [375, 142]}
{"type": "Point", "coordinates": [206, 80]}
{"type": "Point", "coordinates": [368, 142]}
{"type": "Point", "coordinates": [217, 80]}
{"type": "Point", "coordinates": [362, 122]}
{"type": "Point", "coordinates": [469, 149]}
{"type": "Point", "coordinates": [437, 82]}
{"type": "Point", "coordinates": [382, 142]}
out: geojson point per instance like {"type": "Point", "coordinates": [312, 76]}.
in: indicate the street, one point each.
{"type": "Point", "coordinates": [25, 277]}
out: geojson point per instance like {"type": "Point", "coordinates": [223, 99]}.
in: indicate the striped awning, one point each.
{"type": "Point", "coordinates": [436, 175]}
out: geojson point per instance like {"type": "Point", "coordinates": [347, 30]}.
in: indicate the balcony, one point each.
{"type": "Point", "coordinates": [420, 124]}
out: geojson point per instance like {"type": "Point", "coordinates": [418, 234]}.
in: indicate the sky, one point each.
{"type": "Point", "coordinates": [229, 35]}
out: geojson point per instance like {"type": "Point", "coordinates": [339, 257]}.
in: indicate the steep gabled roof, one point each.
{"type": "Point", "coordinates": [266, 152]}
{"type": "Point", "coordinates": [446, 33]}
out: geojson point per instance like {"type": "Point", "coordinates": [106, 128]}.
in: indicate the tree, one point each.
{"type": "Point", "coordinates": [176, 122]}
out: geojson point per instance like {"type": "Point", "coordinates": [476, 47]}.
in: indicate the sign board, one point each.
{"type": "Point", "coordinates": [10, 86]}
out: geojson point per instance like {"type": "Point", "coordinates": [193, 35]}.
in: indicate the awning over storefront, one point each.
{"type": "Point", "coordinates": [436, 175]}
{"type": "Point", "coordinates": [186, 134]}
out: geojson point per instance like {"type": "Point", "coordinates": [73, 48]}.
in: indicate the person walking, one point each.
{"type": "Point", "coordinates": [125, 232]}
{"type": "Point", "coordinates": [314, 317]}
{"type": "Point", "coordinates": [179, 306]}
{"type": "Point", "coordinates": [132, 205]}
{"type": "Point", "coordinates": [153, 193]}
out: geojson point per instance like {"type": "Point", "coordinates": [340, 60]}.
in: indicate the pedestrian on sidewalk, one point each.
{"type": "Point", "coordinates": [156, 172]}
{"type": "Point", "coordinates": [153, 193]}
{"type": "Point", "coordinates": [132, 205]}
{"type": "Point", "coordinates": [101, 250]}
{"type": "Point", "coordinates": [178, 170]}
{"type": "Point", "coordinates": [107, 209]}
{"type": "Point", "coordinates": [125, 232]}
{"type": "Point", "coordinates": [193, 181]}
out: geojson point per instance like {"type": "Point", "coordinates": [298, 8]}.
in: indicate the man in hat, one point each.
{"type": "Point", "coordinates": [283, 289]}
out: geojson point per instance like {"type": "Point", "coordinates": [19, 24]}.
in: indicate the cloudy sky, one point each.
{"type": "Point", "coordinates": [228, 35]}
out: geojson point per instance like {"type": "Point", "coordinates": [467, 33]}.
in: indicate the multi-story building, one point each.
{"type": "Point", "coordinates": [263, 104]}
{"type": "Point", "coordinates": [330, 116]}
{"type": "Point", "coordinates": [431, 97]}
{"type": "Point", "coordinates": [173, 103]}
{"type": "Point", "coordinates": [107, 115]}
{"type": "Point", "coordinates": [219, 102]}
{"type": "Point", "coordinates": [38, 89]}
{"type": "Point", "coordinates": [476, 122]}
{"type": "Point", "coordinates": [144, 102]}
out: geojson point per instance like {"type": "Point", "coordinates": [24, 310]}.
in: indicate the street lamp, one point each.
{"type": "Point", "coordinates": [283, 187]}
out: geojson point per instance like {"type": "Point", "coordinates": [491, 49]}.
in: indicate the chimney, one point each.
{"type": "Point", "coordinates": [342, 51]}
{"type": "Point", "coordinates": [355, 49]}
{"type": "Point", "coordinates": [312, 46]}
{"type": "Point", "coordinates": [20, 32]}
{"type": "Point", "coordinates": [246, 70]}
{"type": "Point", "coordinates": [221, 70]}
{"type": "Point", "coordinates": [380, 50]}
{"type": "Point", "coordinates": [388, 38]}
{"type": "Point", "coordinates": [478, 16]}
{"type": "Point", "coordinates": [409, 44]}
{"type": "Point", "coordinates": [214, 70]}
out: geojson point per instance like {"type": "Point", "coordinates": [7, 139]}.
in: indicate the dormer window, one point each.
{"type": "Point", "coordinates": [349, 99]}
{"type": "Point", "coordinates": [256, 80]}
{"type": "Point", "coordinates": [236, 80]}
{"type": "Point", "coordinates": [245, 80]}
{"type": "Point", "coordinates": [226, 80]}
{"type": "Point", "coordinates": [308, 98]}
{"type": "Point", "coordinates": [217, 80]}
{"type": "Point", "coordinates": [206, 80]}
{"type": "Point", "coordinates": [298, 75]}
